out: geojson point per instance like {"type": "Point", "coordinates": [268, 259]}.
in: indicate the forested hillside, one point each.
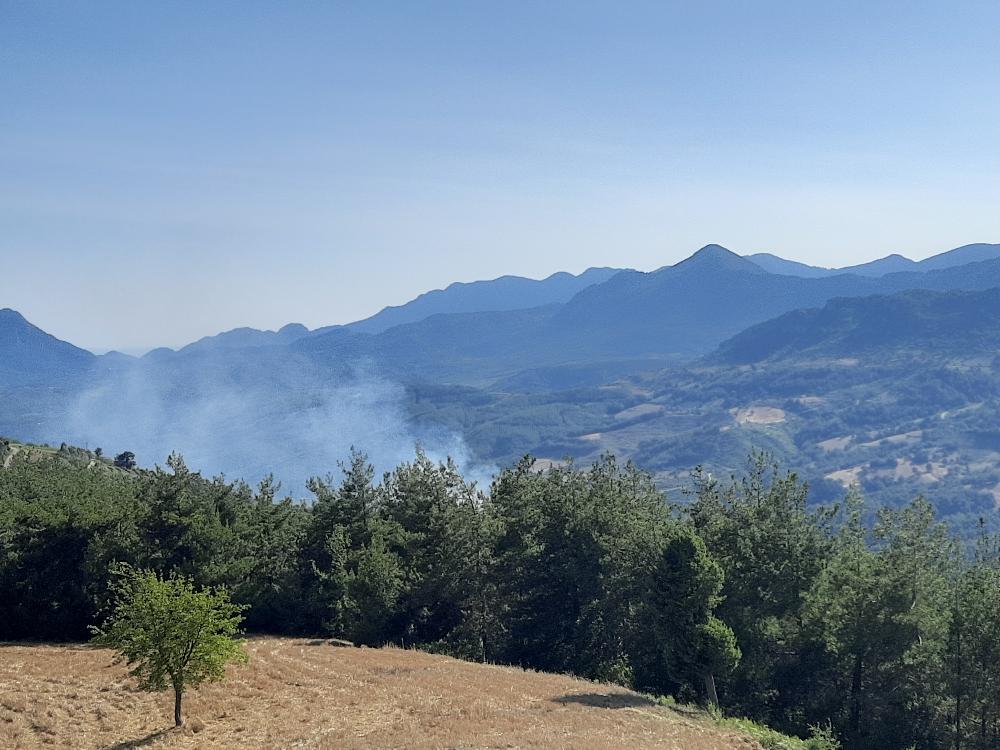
{"type": "Point", "coordinates": [798, 617]}
{"type": "Point", "coordinates": [897, 393]}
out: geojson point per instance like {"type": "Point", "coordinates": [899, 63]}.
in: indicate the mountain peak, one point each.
{"type": "Point", "coordinates": [293, 329]}
{"type": "Point", "coordinates": [7, 314]}
{"type": "Point", "coordinates": [714, 250]}
{"type": "Point", "coordinates": [718, 258]}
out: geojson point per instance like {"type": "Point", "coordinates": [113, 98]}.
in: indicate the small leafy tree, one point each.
{"type": "Point", "coordinates": [125, 460]}
{"type": "Point", "coordinates": [171, 634]}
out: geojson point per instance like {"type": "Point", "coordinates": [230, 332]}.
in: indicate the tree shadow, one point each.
{"type": "Point", "coordinates": [336, 642]}
{"type": "Point", "coordinates": [149, 739]}
{"type": "Point", "coordinates": [606, 700]}
{"type": "Point", "coordinates": [627, 700]}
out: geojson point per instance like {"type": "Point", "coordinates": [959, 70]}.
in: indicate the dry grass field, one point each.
{"type": "Point", "coordinates": [310, 694]}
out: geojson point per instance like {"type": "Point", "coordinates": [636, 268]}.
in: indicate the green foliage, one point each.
{"type": "Point", "coordinates": [875, 624]}
{"type": "Point", "coordinates": [770, 547]}
{"type": "Point", "coordinates": [684, 592]}
{"type": "Point", "coordinates": [61, 526]}
{"type": "Point", "coordinates": [574, 552]}
{"type": "Point", "coordinates": [820, 738]}
{"type": "Point", "coordinates": [170, 633]}
{"type": "Point", "coordinates": [972, 651]}
{"type": "Point", "coordinates": [125, 460]}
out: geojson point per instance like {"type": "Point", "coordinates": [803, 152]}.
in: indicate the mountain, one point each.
{"type": "Point", "coordinates": [894, 263]}
{"type": "Point", "coordinates": [958, 323]}
{"type": "Point", "coordinates": [684, 310]}
{"type": "Point", "coordinates": [239, 338]}
{"type": "Point", "coordinates": [29, 355]}
{"type": "Point", "coordinates": [504, 293]}
{"type": "Point", "coordinates": [961, 256]}
{"type": "Point", "coordinates": [603, 313]}
{"type": "Point", "coordinates": [501, 294]}
{"type": "Point", "coordinates": [630, 322]}
{"type": "Point", "coordinates": [775, 264]}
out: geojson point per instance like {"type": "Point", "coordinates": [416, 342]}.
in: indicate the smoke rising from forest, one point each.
{"type": "Point", "coordinates": [254, 416]}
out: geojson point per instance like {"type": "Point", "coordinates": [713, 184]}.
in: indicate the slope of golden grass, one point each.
{"type": "Point", "coordinates": [309, 694]}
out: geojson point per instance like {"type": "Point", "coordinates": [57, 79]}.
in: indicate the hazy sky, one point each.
{"type": "Point", "coordinates": [169, 170]}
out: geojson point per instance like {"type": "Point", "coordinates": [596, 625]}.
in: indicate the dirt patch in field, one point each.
{"type": "Point", "coordinates": [810, 400]}
{"type": "Point", "coordinates": [914, 436]}
{"type": "Point", "coordinates": [308, 694]}
{"type": "Point", "coordinates": [758, 415]}
{"type": "Point", "coordinates": [640, 410]}
{"type": "Point", "coordinates": [836, 444]}
{"type": "Point", "coordinates": [846, 477]}
{"type": "Point", "coordinates": [928, 473]}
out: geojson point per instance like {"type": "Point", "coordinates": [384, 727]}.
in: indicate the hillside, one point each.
{"type": "Point", "coordinates": [898, 393]}
{"type": "Point", "coordinates": [959, 323]}
{"type": "Point", "coordinates": [299, 693]}
{"type": "Point", "coordinates": [30, 355]}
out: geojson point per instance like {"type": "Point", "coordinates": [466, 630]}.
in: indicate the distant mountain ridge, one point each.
{"type": "Point", "coordinates": [603, 320]}
{"type": "Point", "coordinates": [501, 294]}
{"type": "Point", "coordinates": [893, 263]}
{"type": "Point", "coordinates": [958, 322]}
{"type": "Point", "coordinates": [239, 338]}
{"type": "Point", "coordinates": [496, 295]}
{"type": "Point", "coordinates": [511, 293]}
{"type": "Point", "coordinates": [681, 310]}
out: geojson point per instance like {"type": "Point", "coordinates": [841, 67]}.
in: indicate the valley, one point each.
{"type": "Point", "coordinates": [700, 363]}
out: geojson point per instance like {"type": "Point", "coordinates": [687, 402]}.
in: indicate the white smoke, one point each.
{"type": "Point", "coordinates": [248, 416]}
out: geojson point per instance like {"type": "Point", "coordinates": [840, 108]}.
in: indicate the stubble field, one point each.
{"type": "Point", "coordinates": [298, 693]}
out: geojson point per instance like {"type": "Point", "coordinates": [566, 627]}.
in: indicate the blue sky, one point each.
{"type": "Point", "coordinates": [170, 170]}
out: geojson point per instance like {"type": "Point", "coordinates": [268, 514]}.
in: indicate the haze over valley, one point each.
{"type": "Point", "coordinates": [869, 375]}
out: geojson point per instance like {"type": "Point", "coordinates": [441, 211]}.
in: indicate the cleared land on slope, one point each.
{"type": "Point", "coordinates": [308, 694]}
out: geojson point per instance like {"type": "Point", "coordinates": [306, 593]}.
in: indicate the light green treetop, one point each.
{"type": "Point", "coordinates": [171, 634]}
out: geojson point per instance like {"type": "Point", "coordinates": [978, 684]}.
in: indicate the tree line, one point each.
{"type": "Point", "coordinates": [879, 625]}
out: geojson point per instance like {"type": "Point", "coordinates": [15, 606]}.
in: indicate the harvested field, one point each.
{"type": "Point", "coordinates": [310, 694]}
{"type": "Point", "coordinates": [759, 415]}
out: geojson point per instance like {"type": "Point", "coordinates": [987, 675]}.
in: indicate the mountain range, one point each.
{"type": "Point", "coordinates": [893, 263]}
{"type": "Point", "coordinates": [697, 362]}
{"type": "Point", "coordinates": [646, 319]}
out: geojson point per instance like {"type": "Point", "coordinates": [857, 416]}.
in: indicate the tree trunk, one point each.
{"type": "Point", "coordinates": [713, 696]}
{"type": "Point", "coordinates": [856, 698]}
{"type": "Point", "coordinates": [178, 721]}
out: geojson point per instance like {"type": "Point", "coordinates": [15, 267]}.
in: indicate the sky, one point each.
{"type": "Point", "coordinates": [170, 170]}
